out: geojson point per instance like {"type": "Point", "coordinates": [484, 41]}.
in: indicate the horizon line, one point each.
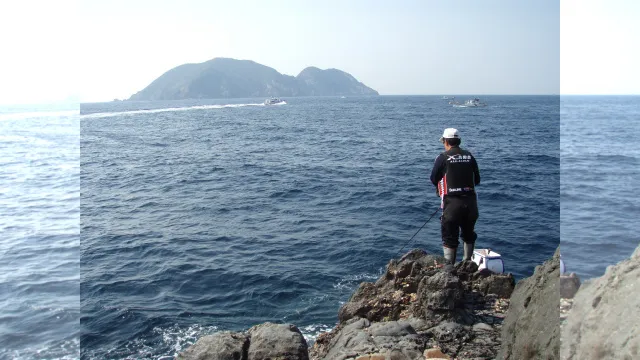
{"type": "Point", "coordinates": [66, 102]}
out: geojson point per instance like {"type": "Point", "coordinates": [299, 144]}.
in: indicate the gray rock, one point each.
{"type": "Point", "coordinates": [418, 324]}
{"type": "Point", "coordinates": [396, 354]}
{"type": "Point", "coordinates": [349, 342]}
{"type": "Point", "coordinates": [220, 346]}
{"type": "Point", "coordinates": [482, 327]}
{"type": "Point", "coordinates": [406, 273]}
{"type": "Point", "coordinates": [531, 328]}
{"type": "Point", "coordinates": [442, 291]}
{"type": "Point", "coordinates": [391, 328]}
{"type": "Point", "coordinates": [396, 339]}
{"type": "Point", "coordinates": [356, 324]}
{"type": "Point", "coordinates": [569, 285]}
{"type": "Point", "coordinates": [344, 341]}
{"type": "Point", "coordinates": [603, 320]}
{"type": "Point", "coordinates": [387, 298]}
{"type": "Point", "coordinates": [448, 331]}
{"type": "Point", "coordinates": [481, 274]}
{"type": "Point", "coordinates": [465, 269]}
{"type": "Point", "coordinates": [498, 284]}
{"type": "Point", "coordinates": [277, 341]}
{"type": "Point", "coordinates": [359, 304]}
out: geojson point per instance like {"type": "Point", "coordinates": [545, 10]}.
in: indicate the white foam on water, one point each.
{"type": "Point", "coordinates": [172, 109]}
{"type": "Point", "coordinates": [175, 338]}
{"type": "Point", "coordinates": [351, 281]}
{"type": "Point", "coordinates": [179, 338]}
{"type": "Point", "coordinates": [65, 350]}
{"type": "Point", "coordinates": [311, 332]}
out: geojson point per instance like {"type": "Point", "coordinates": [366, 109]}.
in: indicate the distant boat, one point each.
{"type": "Point", "coordinates": [274, 101]}
{"type": "Point", "coordinates": [475, 102]}
{"type": "Point", "coordinates": [448, 97]}
{"type": "Point", "coordinates": [342, 97]}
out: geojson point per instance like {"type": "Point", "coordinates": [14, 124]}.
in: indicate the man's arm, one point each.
{"type": "Point", "coordinates": [476, 171]}
{"type": "Point", "coordinates": [438, 170]}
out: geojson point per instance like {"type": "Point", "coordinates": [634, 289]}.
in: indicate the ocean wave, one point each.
{"type": "Point", "coordinates": [56, 350]}
{"type": "Point", "coordinates": [349, 282]}
{"type": "Point", "coordinates": [617, 159]}
{"type": "Point", "coordinates": [161, 343]}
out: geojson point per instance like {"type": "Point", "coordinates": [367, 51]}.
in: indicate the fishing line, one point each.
{"type": "Point", "coordinates": [414, 235]}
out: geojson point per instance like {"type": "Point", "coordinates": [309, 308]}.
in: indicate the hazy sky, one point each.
{"type": "Point", "coordinates": [600, 42]}
{"type": "Point", "coordinates": [101, 50]}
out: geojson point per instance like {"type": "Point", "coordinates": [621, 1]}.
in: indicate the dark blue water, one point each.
{"type": "Point", "coordinates": [600, 170]}
{"type": "Point", "coordinates": [39, 232]}
{"type": "Point", "coordinates": [214, 217]}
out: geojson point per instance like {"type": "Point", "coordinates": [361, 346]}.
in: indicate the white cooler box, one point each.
{"type": "Point", "coordinates": [488, 259]}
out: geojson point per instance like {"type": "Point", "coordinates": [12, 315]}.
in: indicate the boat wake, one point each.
{"type": "Point", "coordinates": [172, 109]}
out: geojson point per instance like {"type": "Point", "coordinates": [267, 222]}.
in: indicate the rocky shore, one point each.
{"type": "Point", "coordinates": [418, 309]}
{"type": "Point", "coordinates": [601, 320]}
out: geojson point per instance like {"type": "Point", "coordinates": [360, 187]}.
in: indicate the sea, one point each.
{"type": "Point", "coordinates": [130, 229]}
{"type": "Point", "coordinates": [40, 232]}
{"type": "Point", "coordinates": [600, 168]}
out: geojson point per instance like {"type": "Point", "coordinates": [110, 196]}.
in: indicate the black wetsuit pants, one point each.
{"type": "Point", "coordinates": [459, 213]}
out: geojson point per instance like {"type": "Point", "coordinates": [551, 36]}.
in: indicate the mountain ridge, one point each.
{"type": "Point", "coordinates": [231, 78]}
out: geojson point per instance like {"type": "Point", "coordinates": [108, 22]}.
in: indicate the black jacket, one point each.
{"type": "Point", "coordinates": [459, 171]}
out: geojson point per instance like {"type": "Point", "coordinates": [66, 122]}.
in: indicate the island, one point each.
{"type": "Point", "coordinates": [231, 78]}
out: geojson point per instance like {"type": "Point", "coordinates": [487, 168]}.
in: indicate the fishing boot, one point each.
{"type": "Point", "coordinates": [449, 255]}
{"type": "Point", "coordinates": [468, 251]}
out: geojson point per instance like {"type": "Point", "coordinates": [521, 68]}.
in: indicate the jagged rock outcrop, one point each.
{"type": "Point", "coordinates": [224, 345]}
{"type": "Point", "coordinates": [531, 329]}
{"type": "Point", "coordinates": [417, 309]}
{"type": "Point", "coordinates": [419, 305]}
{"type": "Point", "coordinates": [261, 342]}
{"type": "Point", "coordinates": [277, 341]}
{"type": "Point", "coordinates": [603, 320]}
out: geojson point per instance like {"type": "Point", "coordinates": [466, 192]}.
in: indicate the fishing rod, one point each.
{"type": "Point", "coordinates": [414, 235]}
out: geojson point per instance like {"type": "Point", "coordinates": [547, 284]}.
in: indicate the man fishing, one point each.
{"type": "Point", "coordinates": [455, 174]}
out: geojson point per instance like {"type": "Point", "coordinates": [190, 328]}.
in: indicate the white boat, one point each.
{"type": "Point", "coordinates": [448, 97]}
{"type": "Point", "coordinates": [475, 102]}
{"type": "Point", "coordinates": [274, 101]}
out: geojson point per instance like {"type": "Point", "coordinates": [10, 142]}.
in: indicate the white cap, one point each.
{"type": "Point", "coordinates": [450, 133]}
